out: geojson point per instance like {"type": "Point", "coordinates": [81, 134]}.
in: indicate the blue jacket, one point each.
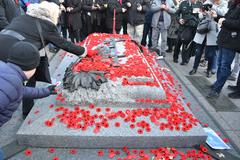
{"type": "Point", "coordinates": [12, 90]}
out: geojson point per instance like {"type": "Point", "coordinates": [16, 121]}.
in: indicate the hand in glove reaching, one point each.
{"type": "Point", "coordinates": [52, 89]}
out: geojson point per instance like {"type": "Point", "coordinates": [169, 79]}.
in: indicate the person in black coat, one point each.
{"type": "Point", "coordinates": [24, 28]}
{"type": "Point", "coordinates": [228, 43]}
{"type": "Point", "coordinates": [8, 11]}
{"type": "Point", "coordinates": [74, 19]}
{"type": "Point", "coordinates": [93, 11]}
{"type": "Point", "coordinates": [117, 5]}
{"type": "Point", "coordinates": [136, 17]}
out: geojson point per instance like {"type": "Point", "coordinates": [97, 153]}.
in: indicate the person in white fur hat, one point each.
{"type": "Point", "coordinates": [24, 28]}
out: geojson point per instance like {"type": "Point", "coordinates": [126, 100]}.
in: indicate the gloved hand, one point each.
{"type": "Point", "coordinates": [52, 89]}
{"type": "Point", "coordinates": [85, 53]}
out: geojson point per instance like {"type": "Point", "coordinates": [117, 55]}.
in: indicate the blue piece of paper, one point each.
{"type": "Point", "coordinates": [214, 141]}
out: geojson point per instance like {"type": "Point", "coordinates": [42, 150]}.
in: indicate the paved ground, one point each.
{"type": "Point", "coordinates": [227, 123]}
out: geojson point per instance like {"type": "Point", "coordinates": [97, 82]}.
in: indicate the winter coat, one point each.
{"type": "Point", "coordinates": [166, 14]}
{"type": "Point", "coordinates": [109, 14]}
{"type": "Point", "coordinates": [185, 11]}
{"type": "Point", "coordinates": [31, 34]}
{"type": "Point", "coordinates": [93, 15]}
{"type": "Point", "coordinates": [229, 36]}
{"type": "Point", "coordinates": [74, 18]}
{"type": "Point", "coordinates": [136, 17]}
{"type": "Point", "coordinates": [173, 28]}
{"type": "Point", "coordinates": [211, 37]}
{"type": "Point", "coordinates": [8, 11]}
{"type": "Point", "coordinates": [12, 90]}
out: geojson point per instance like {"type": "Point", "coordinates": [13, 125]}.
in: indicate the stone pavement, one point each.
{"type": "Point", "coordinates": [229, 122]}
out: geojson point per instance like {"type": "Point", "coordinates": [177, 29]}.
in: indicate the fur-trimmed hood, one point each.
{"type": "Point", "coordinates": [45, 10]}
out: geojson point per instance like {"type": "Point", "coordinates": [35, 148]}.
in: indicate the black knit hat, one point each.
{"type": "Point", "coordinates": [25, 55]}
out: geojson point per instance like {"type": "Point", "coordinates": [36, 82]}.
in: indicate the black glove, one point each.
{"type": "Point", "coordinates": [52, 89]}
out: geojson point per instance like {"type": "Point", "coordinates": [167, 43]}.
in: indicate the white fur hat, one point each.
{"type": "Point", "coordinates": [45, 10]}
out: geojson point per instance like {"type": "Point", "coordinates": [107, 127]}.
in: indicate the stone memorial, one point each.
{"type": "Point", "coordinates": [117, 96]}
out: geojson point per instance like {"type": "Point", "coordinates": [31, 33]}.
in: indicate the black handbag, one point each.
{"type": "Point", "coordinates": [204, 26]}
{"type": "Point", "coordinates": [187, 35]}
{"type": "Point", "coordinates": [42, 71]}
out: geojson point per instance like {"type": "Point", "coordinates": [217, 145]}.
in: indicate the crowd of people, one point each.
{"type": "Point", "coordinates": [208, 30]}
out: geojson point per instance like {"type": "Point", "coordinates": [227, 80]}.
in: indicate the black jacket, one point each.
{"type": "Point", "coordinates": [136, 17]}
{"type": "Point", "coordinates": [8, 11]}
{"type": "Point", "coordinates": [229, 36]}
{"type": "Point", "coordinates": [109, 14]}
{"type": "Point", "coordinates": [26, 26]}
{"type": "Point", "coordinates": [93, 15]}
{"type": "Point", "coordinates": [74, 18]}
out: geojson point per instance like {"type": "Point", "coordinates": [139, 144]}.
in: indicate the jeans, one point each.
{"type": "Point", "coordinates": [210, 54]}
{"type": "Point", "coordinates": [215, 60]}
{"type": "Point", "coordinates": [225, 59]}
{"type": "Point", "coordinates": [1, 154]}
{"type": "Point", "coordinates": [147, 32]}
{"type": "Point", "coordinates": [236, 67]}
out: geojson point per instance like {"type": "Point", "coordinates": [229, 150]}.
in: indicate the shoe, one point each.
{"type": "Point", "coordinates": [24, 116]}
{"type": "Point", "coordinates": [210, 86]}
{"type": "Point", "coordinates": [192, 72]}
{"type": "Point", "coordinates": [169, 50]}
{"type": "Point", "coordinates": [183, 63]}
{"type": "Point", "coordinates": [234, 95]}
{"type": "Point", "coordinates": [155, 50]}
{"type": "Point", "coordinates": [233, 88]}
{"type": "Point", "coordinates": [231, 78]}
{"type": "Point", "coordinates": [208, 74]}
{"type": "Point", "coordinates": [213, 94]}
{"type": "Point", "coordinates": [175, 61]}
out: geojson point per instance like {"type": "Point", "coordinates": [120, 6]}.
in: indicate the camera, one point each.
{"type": "Point", "coordinates": [206, 7]}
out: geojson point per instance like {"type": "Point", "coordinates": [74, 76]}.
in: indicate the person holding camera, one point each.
{"type": "Point", "coordinates": [188, 17]}
{"type": "Point", "coordinates": [228, 43]}
{"type": "Point", "coordinates": [207, 31]}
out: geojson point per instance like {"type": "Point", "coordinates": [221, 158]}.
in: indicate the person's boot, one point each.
{"type": "Point", "coordinates": [233, 88]}
{"type": "Point", "coordinates": [213, 94]}
{"type": "Point", "coordinates": [183, 63]}
{"type": "Point", "coordinates": [208, 74]}
{"type": "Point", "coordinates": [232, 78]}
{"type": "Point", "coordinates": [192, 72]}
{"type": "Point", "coordinates": [175, 60]}
{"type": "Point", "coordinates": [169, 50]}
{"type": "Point", "coordinates": [234, 95]}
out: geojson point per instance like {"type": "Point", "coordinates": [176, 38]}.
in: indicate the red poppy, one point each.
{"type": "Point", "coordinates": [55, 158]}
{"type": "Point", "coordinates": [28, 152]}
{"type": "Point", "coordinates": [51, 150]}
{"type": "Point", "coordinates": [100, 153]}
{"type": "Point", "coordinates": [73, 151]}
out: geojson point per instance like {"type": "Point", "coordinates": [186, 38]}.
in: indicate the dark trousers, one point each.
{"type": "Point", "coordinates": [210, 54]}
{"type": "Point", "coordinates": [124, 25]}
{"type": "Point", "coordinates": [171, 42]}
{"type": "Point", "coordinates": [225, 59]}
{"type": "Point", "coordinates": [185, 54]}
{"type": "Point", "coordinates": [147, 32]}
{"type": "Point", "coordinates": [64, 31]}
{"type": "Point", "coordinates": [74, 34]}
{"type": "Point", "coordinates": [27, 103]}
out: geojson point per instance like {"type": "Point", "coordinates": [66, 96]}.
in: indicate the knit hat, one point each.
{"type": "Point", "coordinates": [25, 55]}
